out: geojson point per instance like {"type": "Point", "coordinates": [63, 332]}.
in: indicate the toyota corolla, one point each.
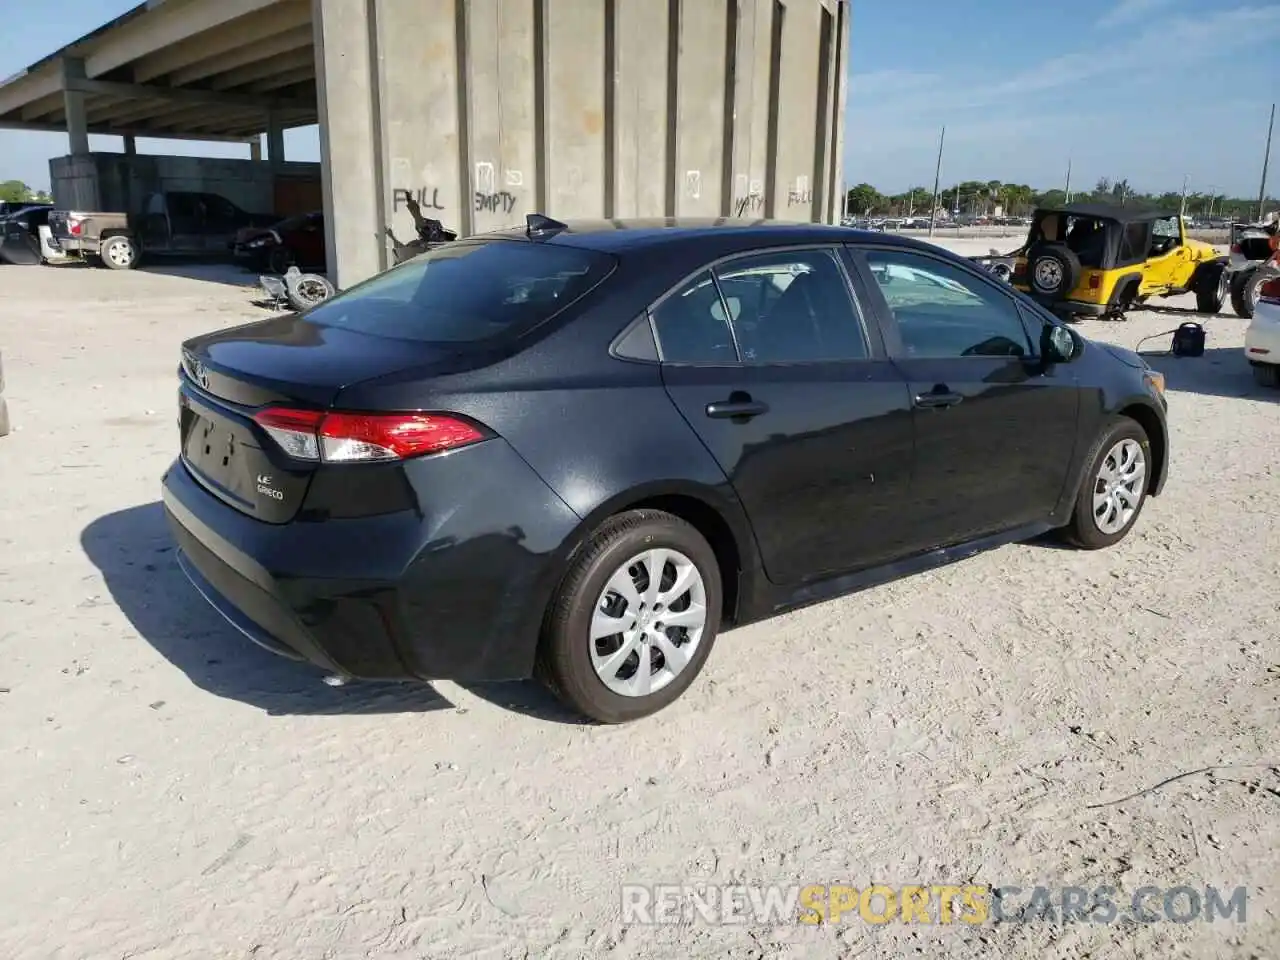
{"type": "Point", "coordinates": [584, 450]}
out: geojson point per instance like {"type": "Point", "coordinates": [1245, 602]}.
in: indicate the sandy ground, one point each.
{"type": "Point", "coordinates": [171, 791]}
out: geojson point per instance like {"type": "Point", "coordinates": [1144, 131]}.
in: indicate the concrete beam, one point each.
{"type": "Point", "coordinates": [286, 79]}
{"type": "Point", "coordinates": [157, 114]}
{"type": "Point", "coordinates": [138, 91]}
{"type": "Point", "coordinates": [44, 107]}
{"type": "Point", "coordinates": [122, 110]}
{"type": "Point", "coordinates": [198, 118]}
{"type": "Point", "coordinates": [198, 57]}
{"type": "Point", "coordinates": [22, 90]}
{"type": "Point", "coordinates": [166, 26]}
{"type": "Point", "coordinates": [264, 69]}
{"type": "Point", "coordinates": [259, 51]}
{"type": "Point", "coordinates": [132, 131]}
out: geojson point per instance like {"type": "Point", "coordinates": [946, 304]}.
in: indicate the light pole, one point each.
{"type": "Point", "coordinates": [1266, 160]}
{"type": "Point", "coordinates": [937, 175]}
{"type": "Point", "coordinates": [1067, 189]}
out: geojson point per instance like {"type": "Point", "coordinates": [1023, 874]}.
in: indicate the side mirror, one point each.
{"type": "Point", "coordinates": [1058, 344]}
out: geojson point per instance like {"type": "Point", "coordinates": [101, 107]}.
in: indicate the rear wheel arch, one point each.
{"type": "Point", "coordinates": [704, 510]}
{"type": "Point", "coordinates": [1126, 289]}
{"type": "Point", "coordinates": [1149, 420]}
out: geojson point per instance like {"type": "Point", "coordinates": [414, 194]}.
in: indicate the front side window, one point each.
{"type": "Point", "coordinates": [791, 307]}
{"type": "Point", "coordinates": [943, 312]}
{"type": "Point", "coordinates": [470, 291]}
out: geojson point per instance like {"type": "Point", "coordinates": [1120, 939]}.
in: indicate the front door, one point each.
{"type": "Point", "coordinates": [1168, 257]}
{"type": "Point", "coordinates": [770, 362]}
{"type": "Point", "coordinates": [995, 429]}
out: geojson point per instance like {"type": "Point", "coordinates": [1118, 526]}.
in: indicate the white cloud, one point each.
{"type": "Point", "coordinates": [1131, 11]}
{"type": "Point", "coordinates": [1138, 56]}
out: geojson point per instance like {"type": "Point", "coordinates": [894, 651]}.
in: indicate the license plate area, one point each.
{"type": "Point", "coordinates": [226, 456]}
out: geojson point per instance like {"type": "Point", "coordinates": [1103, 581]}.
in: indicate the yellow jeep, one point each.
{"type": "Point", "coordinates": [1098, 260]}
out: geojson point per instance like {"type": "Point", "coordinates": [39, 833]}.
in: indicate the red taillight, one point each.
{"type": "Point", "coordinates": [1270, 289]}
{"type": "Point", "coordinates": [1095, 281]}
{"type": "Point", "coordinates": [1235, 248]}
{"type": "Point", "coordinates": [75, 226]}
{"type": "Point", "coordinates": [364, 437]}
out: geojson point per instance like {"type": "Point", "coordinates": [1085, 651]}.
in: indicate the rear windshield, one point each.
{"type": "Point", "coordinates": [468, 291]}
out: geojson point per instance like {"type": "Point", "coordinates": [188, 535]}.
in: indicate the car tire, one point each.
{"type": "Point", "coordinates": [1266, 374]}
{"type": "Point", "coordinates": [119, 253]}
{"type": "Point", "coordinates": [1053, 269]}
{"type": "Point", "coordinates": [1212, 288]}
{"type": "Point", "coordinates": [574, 654]}
{"type": "Point", "coordinates": [1103, 515]}
{"type": "Point", "coordinates": [308, 290]}
{"type": "Point", "coordinates": [1245, 289]}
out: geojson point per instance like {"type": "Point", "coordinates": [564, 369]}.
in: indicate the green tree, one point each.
{"type": "Point", "coordinates": [863, 199]}
{"type": "Point", "coordinates": [14, 191]}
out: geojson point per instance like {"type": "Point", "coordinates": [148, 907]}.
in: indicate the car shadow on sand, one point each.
{"type": "Point", "coordinates": [135, 554]}
{"type": "Point", "coordinates": [1220, 372]}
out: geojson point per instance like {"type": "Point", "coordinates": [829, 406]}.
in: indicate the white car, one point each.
{"type": "Point", "coordinates": [1262, 338]}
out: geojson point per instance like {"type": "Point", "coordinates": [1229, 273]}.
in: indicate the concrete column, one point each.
{"type": "Point", "coordinates": [130, 146]}
{"type": "Point", "coordinates": [275, 141]}
{"type": "Point", "coordinates": [73, 101]}
{"type": "Point", "coordinates": [350, 138]}
{"type": "Point", "coordinates": [255, 149]}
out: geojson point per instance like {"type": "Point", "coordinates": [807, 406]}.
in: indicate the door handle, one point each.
{"type": "Point", "coordinates": [937, 400]}
{"type": "Point", "coordinates": [736, 409]}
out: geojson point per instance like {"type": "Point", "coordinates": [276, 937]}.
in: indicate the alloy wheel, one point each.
{"type": "Point", "coordinates": [121, 254]}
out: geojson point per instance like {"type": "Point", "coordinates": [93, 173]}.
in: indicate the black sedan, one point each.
{"type": "Point", "coordinates": [581, 451]}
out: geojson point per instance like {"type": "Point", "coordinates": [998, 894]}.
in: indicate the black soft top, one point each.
{"type": "Point", "coordinates": [1110, 211]}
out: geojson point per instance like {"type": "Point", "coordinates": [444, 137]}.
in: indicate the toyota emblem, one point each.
{"type": "Point", "coordinates": [202, 375]}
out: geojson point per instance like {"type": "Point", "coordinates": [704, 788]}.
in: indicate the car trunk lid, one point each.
{"type": "Point", "coordinates": [231, 376]}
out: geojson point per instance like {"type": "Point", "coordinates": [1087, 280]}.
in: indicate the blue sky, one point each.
{"type": "Point", "coordinates": [1150, 90]}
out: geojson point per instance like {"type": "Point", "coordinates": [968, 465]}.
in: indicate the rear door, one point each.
{"type": "Point", "coordinates": [995, 429]}
{"type": "Point", "coordinates": [770, 361]}
{"type": "Point", "coordinates": [186, 222]}
{"type": "Point", "coordinates": [154, 226]}
{"type": "Point", "coordinates": [222, 219]}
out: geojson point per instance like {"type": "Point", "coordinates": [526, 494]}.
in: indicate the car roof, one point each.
{"type": "Point", "coordinates": [1110, 211]}
{"type": "Point", "coordinates": [725, 233]}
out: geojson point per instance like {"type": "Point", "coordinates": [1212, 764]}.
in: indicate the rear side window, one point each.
{"type": "Point", "coordinates": [469, 291]}
{"type": "Point", "coordinates": [691, 324]}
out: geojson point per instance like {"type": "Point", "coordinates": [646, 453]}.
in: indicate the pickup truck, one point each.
{"type": "Point", "coordinates": [175, 222]}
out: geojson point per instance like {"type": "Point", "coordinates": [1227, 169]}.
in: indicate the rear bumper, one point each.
{"type": "Point", "coordinates": [455, 593]}
{"type": "Point", "coordinates": [76, 246]}
{"type": "Point", "coordinates": [1262, 336]}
